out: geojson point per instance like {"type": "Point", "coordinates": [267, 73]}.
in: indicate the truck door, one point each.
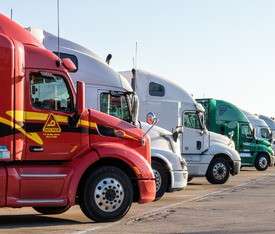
{"type": "Point", "coordinates": [49, 104]}
{"type": "Point", "coordinates": [192, 138]}
{"type": "Point", "coordinates": [247, 144]}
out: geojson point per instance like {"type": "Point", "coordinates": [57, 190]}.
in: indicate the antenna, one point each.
{"type": "Point", "coordinates": [58, 29]}
{"type": "Point", "coordinates": [11, 13]}
{"type": "Point", "coordinates": [136, 57]}
{"type": "Point", "coordinates": [58, 63]}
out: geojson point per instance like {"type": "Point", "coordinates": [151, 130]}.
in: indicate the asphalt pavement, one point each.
{"type": "Point", "coordinates": [245, 204]}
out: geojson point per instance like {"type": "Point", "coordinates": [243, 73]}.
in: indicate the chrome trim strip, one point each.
{"type": "Point", "coordinates": [246, 155]}
{"type": "Point", "coordinates": [40, 201]}
{"type": "Point", "coordinates": [43, 175]}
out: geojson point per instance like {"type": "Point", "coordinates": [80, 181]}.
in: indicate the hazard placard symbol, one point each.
{"type": "Point", "coordinates": [51, 125]}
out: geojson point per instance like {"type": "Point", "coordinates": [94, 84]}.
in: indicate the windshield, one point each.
{"type": "Point", "coordinates": [116, 104]}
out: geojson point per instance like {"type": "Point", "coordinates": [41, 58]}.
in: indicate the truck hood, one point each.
{"type": "Point", "coordinates": [264, 142]}
{"type": "Point", "coordinates": [215, 137]}
{"type": "Point", "coordinates": [161, 138]}
{"type": "Point", "coordinates": [106, 122]}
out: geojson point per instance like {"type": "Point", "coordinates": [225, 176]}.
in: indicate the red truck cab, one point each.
{"type": "Point", "coordinates": [55, 153]}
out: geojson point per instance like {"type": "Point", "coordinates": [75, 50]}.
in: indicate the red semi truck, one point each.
{"type": "Point", "coordinates": [54, 152]}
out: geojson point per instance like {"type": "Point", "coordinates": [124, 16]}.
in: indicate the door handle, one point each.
{"type": "Point", "coordinates": [36, 149]}
{"type": "Point", "coordinates": [198, 145]}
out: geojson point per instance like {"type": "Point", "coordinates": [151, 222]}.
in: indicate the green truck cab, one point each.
{"type": "Point", "coordinates": [227, 119]}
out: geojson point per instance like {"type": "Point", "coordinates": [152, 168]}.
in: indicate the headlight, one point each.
{"type": "Point", "coordinates": [231, 144]}
{"type": "Point", "coordinates": [183, 163]}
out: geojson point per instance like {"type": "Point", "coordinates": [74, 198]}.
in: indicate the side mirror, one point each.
{"type": "Point", "coordinates": [135, 108]}
{"type": "Point", "coordinates": [254, 133]}
{"type": "Point", "coordinates": [177, 132]}
{"type": "Point", "coordinates": [80, 105]}
{"type": "Point", "coordinates": [231, 134]}
{"type": "Point", "coordinates": [80, 97]}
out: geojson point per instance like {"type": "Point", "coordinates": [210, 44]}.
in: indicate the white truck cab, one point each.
{"type": "Point", "coordinates": [110, 92]}
{"type": "Point", "coordinates": [261, 127]}
{"type": "Point", "coordinates": [270, 121]}
{"type": "Point", "coordinates": [207, 154]}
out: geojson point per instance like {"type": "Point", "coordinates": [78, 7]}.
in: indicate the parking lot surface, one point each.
{"type": "Point", "coordinates": [245, 204]}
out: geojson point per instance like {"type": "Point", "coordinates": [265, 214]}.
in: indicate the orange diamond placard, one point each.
{"type": "Point", "coordinates": [51, 125]}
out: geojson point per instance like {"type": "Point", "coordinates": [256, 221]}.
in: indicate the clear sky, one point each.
{"type": "Point", "coordinates": [224, 49]}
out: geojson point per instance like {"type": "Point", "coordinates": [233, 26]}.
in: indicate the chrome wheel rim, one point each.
{"type": "Point", "coordinates": [219, 171]}
{"type": "Point", "coordinates": [109, 194]}
{"type": "Point", "coordinates": [262, 162]}
{"type": "Point", "coordinates": [157, 179]}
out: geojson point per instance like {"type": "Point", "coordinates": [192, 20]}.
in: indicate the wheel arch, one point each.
{"type": "Point", "coordinates": [166, 165]}
{"type": "Point", "coordinates": [266, 154]}
{"type": "Point", "coordinates": [225, 157]}
{"type": "Point", "coordinates": [110, 161]}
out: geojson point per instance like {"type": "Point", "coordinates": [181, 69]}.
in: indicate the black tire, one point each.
{"type": "Point", "coordinates": [161, 179]}
{"type": "Point", "coordinates": [106, 195]}
{"type": "Point", "coordinates": [51, 210]}
{"type": "Point", "coordinates": [218, 171]}
{"type": "Point", "coordinates": [261, 162]}
{"type": "Point", "coordinates": [190, 178]}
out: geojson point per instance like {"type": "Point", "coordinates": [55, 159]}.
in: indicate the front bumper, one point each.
{"type": "Point", "coordinates": [236, 168]}
{"type": "Point", "coordinates": [179, 180]}
{"type": "Point", "coordinates": [147, 191]}
{"type": "Point", "coordinates": [272, 160]}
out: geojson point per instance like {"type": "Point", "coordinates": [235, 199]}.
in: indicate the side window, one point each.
{"type": "Point", "coordinates": [265, 133]}
{"type": "Point", "coordinates": [225, 113]}
{"type": "Point", "coordinates": [50, 92]}
{"type": "Point", "coordinates": [115, 105]}
{"type": "Point", "coordinates": [191, 120]}
{"type": "Point", "coordinates": [156, 89]}
{"type": "Point", "coordinates": [246, 131]}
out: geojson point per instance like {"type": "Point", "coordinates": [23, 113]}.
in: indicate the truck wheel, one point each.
{"type": "Point", "coordinates": [106, 195]}
{"type": "Point", "coordinates": [51, 210]}
{"type": "Point", "coordinates": [161, 179]}
{"type": "Point", "coordinates": [218, 171]}
{"type": "Point", "coordinates": [190, 179]}
{"type": "Point", "coordinates": [261, 162]}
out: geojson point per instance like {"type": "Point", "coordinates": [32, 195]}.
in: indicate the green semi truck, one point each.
{"type": "Point", "coordinates": [227, 119]}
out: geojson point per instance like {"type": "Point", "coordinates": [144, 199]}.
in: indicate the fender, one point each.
{"type": "Point", "coordinates": [218, 148]}
{"type": "Point", "coordinates": [265, 149]}
{"type": "Point", "coordinates": [140, 165]}
{"type": "Point", "coordinates": [163, 159]}
{"type": "Point", "coordinates": [172, 159]}
{"type": "Point", "coordinates": [103, 150]}
{"type": "Point", "coordinates": [80, 165]}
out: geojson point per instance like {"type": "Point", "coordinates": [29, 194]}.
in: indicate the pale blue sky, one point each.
{"type": "Point", "coordinates": [223, 49]}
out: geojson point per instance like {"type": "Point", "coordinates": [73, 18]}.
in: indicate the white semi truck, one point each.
{"type": "Point", "coordinates": [109, 92]}
{"type": "Point", "coordinates": [260, 127]}
{"type": "Point", "coordinates": [271, 124]}
{"type": "Point", "coordinates": [207, 154]}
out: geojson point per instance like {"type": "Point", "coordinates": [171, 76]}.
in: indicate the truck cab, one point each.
{"type": "Point", "coordinates": [55, 152]}
{"type": "Point", "coordinates": [109, 92]}
{"type": "Point", "coordinates": [225, 118]}
{"type": "Point", "coordinates": [260, 127]}
{"type": "Point", "coordinates": [207, 154]}
{"type": "Point", "coordinates": [271, 124]}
